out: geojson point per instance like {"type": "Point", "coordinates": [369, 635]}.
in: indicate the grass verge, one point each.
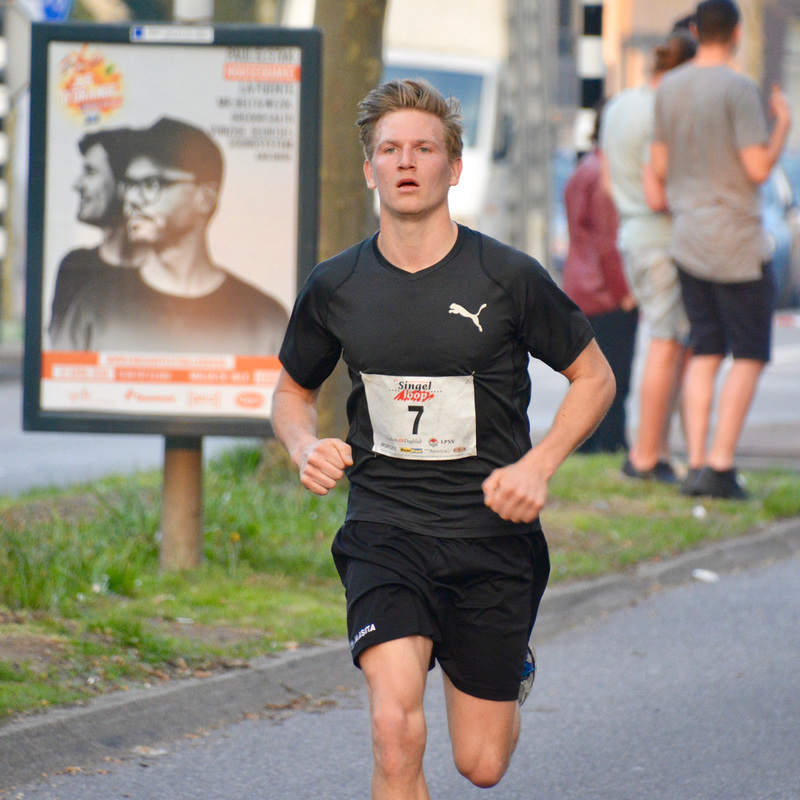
{"type": "Point", "coordinates": [85, 610]}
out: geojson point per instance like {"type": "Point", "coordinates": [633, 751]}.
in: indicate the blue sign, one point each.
{"type": "Point", "coordinates": [56, 10]}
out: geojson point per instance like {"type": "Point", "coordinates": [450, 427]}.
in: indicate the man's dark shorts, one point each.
{"type": "Point", "coordinates": [475, 598]}
{"type": "Point", "coordinates": [733, 318]}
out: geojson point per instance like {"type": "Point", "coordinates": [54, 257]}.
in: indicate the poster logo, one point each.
{"type": "Point", "coordinates": [89, 86]}
{"type": "Point", "coordinates": [250, 399]}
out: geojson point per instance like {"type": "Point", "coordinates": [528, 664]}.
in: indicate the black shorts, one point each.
{"type": "Point", "coordinates": [733, 318]}
{"type": "Point", "coordinates": [475, 598]}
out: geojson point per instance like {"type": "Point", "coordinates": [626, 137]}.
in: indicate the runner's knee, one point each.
{"type": "Point", "coordinates": [398, 737]}
{"type": "Point", "coordinates": [485, 768]}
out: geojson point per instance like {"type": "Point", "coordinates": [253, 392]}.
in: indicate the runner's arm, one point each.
{"type": "Point", "coordinates": [294, 418]}
{"type": "Point", "coordinates": [518, 492]}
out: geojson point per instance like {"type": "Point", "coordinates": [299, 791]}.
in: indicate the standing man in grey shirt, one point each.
{"type": "Point", "coordinates": [712, 148]}
{"type": "Point", "coordinates": [644, 239]}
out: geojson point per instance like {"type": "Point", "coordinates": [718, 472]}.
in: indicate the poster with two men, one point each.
{"type": "Point", "coordinates": [172, 212]}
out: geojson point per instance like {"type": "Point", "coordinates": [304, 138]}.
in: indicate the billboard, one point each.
{"type": "Point", "coordinates": [172, 216]}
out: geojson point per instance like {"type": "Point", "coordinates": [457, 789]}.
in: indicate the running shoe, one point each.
{"type": "Point", "coordinates": [687, 486]}
{"type": "Point", "coordinates": [718, 483]}
{"type": "Point", "coordinates": [528, 675]}
{"type": "Point", "coordinates": [661, 472]}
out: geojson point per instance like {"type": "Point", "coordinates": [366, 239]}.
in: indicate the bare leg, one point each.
{"type": "Point", "coordinates": [657, 395]}
{"type": "Point", "coordinates": [396, 673]}
{"type": "Point", "coordinates": [483, 733]}
{"type": "Point", "coordinates": [698, 400]}
{"type": "Point", "coordinates": [735, 399]}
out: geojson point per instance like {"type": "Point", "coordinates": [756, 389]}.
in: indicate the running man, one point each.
{"type": "Point", "coordinates": [441, 553]}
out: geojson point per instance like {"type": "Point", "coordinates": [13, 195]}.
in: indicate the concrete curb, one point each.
{"type": "Point", "coordinates": [115, 724]}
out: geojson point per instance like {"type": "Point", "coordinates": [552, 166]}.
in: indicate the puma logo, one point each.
{"type": "Point", "coordinates": [455, 308]}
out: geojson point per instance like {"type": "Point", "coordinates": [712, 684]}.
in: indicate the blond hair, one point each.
{"type": "Point", "coordinates": [415, 94]}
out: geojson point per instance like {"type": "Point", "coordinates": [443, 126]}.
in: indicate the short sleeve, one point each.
{"type": "Point", "coordinates": [310, 352]}
{"type": "Point", "coordinates": [749, 123]}
{"type": "Point", "coordinates": [553, 328]}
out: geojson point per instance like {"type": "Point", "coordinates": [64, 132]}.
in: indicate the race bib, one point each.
{"type": "Point", "coordinates": [422, 418]}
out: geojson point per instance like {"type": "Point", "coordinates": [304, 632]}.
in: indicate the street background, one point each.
{"type": "Point", "coordinates": [691, 693]}
{"type": "Point", "coordinates": [652, 685]}
{"type": "Point", "coordinates": [39, 459]}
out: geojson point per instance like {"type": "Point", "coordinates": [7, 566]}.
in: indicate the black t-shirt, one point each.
{"type": "Point", "coordinates": [77, 268]}
{"type": "Point", "coordinates": [118, 311]}
{"type": "Point", "coordinates": [477, 314]}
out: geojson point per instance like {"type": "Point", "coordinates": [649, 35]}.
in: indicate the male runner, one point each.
{"type": "Point", "coordinates": [441, 554]}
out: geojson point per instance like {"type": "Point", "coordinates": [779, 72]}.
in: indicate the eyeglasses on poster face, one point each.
{"type": "Point", "coordinates": [150, 186]}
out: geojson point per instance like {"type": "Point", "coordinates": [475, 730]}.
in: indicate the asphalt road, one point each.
{"type": "Point", "coordinates": [691, 694]}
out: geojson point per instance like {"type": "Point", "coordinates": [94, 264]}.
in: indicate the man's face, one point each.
{"type": "Point", "coordinates": [159, 203]}
{"type": "Point", "coordinates": [410, 166]}
{"type": "Point", "coordinates": [98, 203]}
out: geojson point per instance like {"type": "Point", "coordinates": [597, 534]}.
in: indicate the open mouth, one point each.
{"type": "Point", "coordinates": [406, 182]}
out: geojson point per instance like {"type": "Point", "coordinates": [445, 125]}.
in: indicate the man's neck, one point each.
{"type": "Point", "coordinates": [115, 250]}
{"type": "Point", "coordinates": [414, 245]}
{"type": "Point", "coordinates": [713, 54]}
{"type": "Point", "coordinates": [184, 271]}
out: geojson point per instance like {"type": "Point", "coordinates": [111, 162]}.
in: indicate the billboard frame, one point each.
{"type": "Point", "coordinates": [309, 42]}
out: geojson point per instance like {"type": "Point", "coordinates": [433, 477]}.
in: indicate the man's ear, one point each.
{"type": "Point", "coordinates": [368, 175]}
{"type": "Point", "coordinates": [456, 167]}
{"type": "Point", "coordinates": [207, 196]}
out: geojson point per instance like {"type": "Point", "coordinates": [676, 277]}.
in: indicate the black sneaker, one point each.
{"type": "Point", "coordinates": [528, 675]}
{"type": "Point", "coordinates": [714, 483]}
{"type": "Point", "coordinates": [661, 472]}
{"type": "Point", "coordinates": [687, 487]}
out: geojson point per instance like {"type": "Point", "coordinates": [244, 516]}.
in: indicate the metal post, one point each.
{"type": "Point", "coordinates": [5, 107]}
{"type": "Point", "coordinates": [531, 32]}
{"type": "Point", "coordinates": [591, 71]}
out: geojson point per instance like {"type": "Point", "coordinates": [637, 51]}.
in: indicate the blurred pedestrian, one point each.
{"type": "Point", "coordinates": [594, 277]}
{"type": "Point", "coordinates": [712, 148]}
{"type": "Point", "coordinates": [644, 239]}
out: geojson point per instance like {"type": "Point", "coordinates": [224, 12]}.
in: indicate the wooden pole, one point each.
{"type": "Point", "coordinates": [182, 508]}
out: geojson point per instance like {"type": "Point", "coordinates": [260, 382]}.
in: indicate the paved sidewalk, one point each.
{"type": "Point", "coordinates": [117, 723]}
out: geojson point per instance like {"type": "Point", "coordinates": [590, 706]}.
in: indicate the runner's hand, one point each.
{"type": "Point", "coordinates": [322, 465]}
{"type": "Point", "coordinates": [515, 493]}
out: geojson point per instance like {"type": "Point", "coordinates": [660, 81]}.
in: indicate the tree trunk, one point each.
{"type": "Point", "coordinates": [352, 65]}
